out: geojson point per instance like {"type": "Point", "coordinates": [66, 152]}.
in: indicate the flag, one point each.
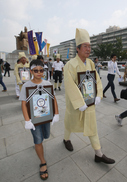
{"type": "Point", "coordinates": [31, 43]}
{"type": "Point", "coordinates": [48, 45]}
{"type": "Point", "coordinates": [55, 51]}
{"type": "Point", "coordinates": [45, 46]}
{"type": "Point", "coordinates": [39, 39]}
{"type": "Point", "coordinates": [68, 53]}
{"type": "Point", "coordinates": [36, 47]}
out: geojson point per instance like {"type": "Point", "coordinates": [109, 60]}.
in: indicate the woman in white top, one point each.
{"type": "Point", "coordinates": [112, 70]}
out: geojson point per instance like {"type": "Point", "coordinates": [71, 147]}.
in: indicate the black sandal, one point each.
{"type": "Point", "coordinates": [43, 172]}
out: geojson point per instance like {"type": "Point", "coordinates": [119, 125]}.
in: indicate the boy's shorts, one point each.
{"type": "Point", "coordinates": [41, 131]}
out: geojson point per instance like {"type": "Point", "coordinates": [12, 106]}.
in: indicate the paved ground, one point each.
{"type": "Point", "coordinates": [18, 160]}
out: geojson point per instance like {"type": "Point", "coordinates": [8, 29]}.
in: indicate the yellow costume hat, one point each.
{"type": "Point", "coordinates": [21, 55]}
{"type": "Point", "coordinates": [34, 57]}
{"type": "Point", "coordinates": [81, 36]}
{"type": "Point", "coordinates": [58, 56]}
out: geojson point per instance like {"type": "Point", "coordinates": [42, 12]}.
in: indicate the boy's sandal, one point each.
{"type": "Point", "coordinates": [43, 172]}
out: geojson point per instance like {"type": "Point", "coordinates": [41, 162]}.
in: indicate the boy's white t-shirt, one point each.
{"type": "Point", "coordinates": [30, 84]}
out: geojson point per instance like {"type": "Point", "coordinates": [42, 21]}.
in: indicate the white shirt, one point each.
{"type": "Point", "coordinates": [58, 65]}
{"type": "Point", "coordinates": [113, 68]}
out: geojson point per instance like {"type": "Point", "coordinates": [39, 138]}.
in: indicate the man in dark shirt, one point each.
{"type": "Point", "coordinates": [7, 69]}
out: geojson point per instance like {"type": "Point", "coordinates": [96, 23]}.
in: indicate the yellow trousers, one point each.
{"type": "Point", "coordinates": [93, 139]}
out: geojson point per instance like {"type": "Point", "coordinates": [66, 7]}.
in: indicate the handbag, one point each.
{"type": "Point", "coordinates": [123, 94]}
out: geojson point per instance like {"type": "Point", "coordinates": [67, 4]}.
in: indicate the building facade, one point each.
{"type": "Point", "coordinates": [63, 48]}
{"type": "Point", "coordinates": [110, 37]}
{"type": "Point", "coordinates": [105, 37]}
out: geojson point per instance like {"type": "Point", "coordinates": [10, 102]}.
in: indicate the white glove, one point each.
{"type": "Point", "coordinates": [97, 100]}
{"type": "Point", "coordinates": [29, 125]}
{"type": "Point", "coordinates": [83, 108]}
{"type": "Point", "coordinates": [2, 74]}
{"type": "Point", "coordinates": [20, 83]}
{"type": "Point", "coordinates": [55, 119]}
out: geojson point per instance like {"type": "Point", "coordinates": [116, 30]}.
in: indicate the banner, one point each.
{"type": "Point", "coordinates": [68, 53]}
{"type": "Point", "coordinates": [31, 43]}
{"type": "Point", "coordinates": [48, 45]}
{"type": "Point", "coordinates": [39, 39]}
{"type": "Point", "coordinates": [45, 46]}
{"type": "Point", "coordinates": [36, 47]}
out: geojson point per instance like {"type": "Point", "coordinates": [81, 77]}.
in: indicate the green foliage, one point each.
{"type": "Point", "coordinates": [105, 50]}
{"type": "Point", "coordinates": [118, 47]}
{"type": "Point", "coordinates": [124, 55]}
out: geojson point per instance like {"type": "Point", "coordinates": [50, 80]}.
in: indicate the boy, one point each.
{"type": "Point", "coordinates": [41, 131]}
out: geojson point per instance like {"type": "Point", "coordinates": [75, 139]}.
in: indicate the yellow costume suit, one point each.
{"type": "Point", "coordinates": [75, 120]}
{"type": "Point", "coordinates": [16, 72]}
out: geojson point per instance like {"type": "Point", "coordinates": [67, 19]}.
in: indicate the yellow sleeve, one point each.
{"type": "Point", "coordinates": [14, 68]}
{"type": "Point", "coordinates": [17, 75]}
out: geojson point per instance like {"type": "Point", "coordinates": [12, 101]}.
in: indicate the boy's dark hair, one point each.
{"type": "Point", "coordinates": [95, 59]}
{"type": "Point", "coordinates": [50, 59]}
{"type": "Point", "coordinates": [112, 55]}
{"type": "Point", "coordinates": [40, 57]}
{"type": "Point", "coordinates": [36, 62]}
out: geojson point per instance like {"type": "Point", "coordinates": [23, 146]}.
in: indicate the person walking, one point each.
{"type": "Point", "coordinates": [17, 90]}
{"type": "Point", "coordinates": [97, 65]}
{"type": "Point", "coordinates": [112, 70]}
{"type": "Point", "coordinates": [50, 67]}
{"type": "Point", "coordinates": [1, 76]}
{"type": "Point", "coordinates": [120, 117]}
{"type": "Point", "coordinates": [58, 68]}
{"type": "Point", "coordinates": [42, 131]}
{"type": "Point", "coordinates": [22, 64]}
{"type": "Point", "coordinates": [7, 69]}
{"type": "Point", "coordinates": [40, 57]}
{"type": "Point", "coordinates": [78, 116]}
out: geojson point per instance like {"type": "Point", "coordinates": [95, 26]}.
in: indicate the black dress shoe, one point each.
{"type": "Point", "coordinates": [59, 88]}
{"type": "Point", "coordinates": [54, 89]}
{"type": "Point", "coordinates": [116, 99]}
{"type": "Point", "coordinates": [68, 145]}
{"type": "Point", "coordinates": [104, 159]}
{"type": "Point", "coordinates": [104, 96]}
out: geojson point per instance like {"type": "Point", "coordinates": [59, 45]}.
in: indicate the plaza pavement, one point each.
{"type": "Point", "coordinates": [18, 160]}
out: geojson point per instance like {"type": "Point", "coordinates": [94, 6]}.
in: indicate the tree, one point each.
{"type": "Point", "coordinates": [124, 55]}
{"type": "Point", "coordinates": [105, 50]}
{"type": "Point", "coordinates": [118, 48]}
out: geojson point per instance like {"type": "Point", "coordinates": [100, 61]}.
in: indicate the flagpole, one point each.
{"type": "Point", "coordinates": [29, 26]}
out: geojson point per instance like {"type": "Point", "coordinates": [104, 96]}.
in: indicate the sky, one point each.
{"type": "Point", "coordinates": [58, 19]}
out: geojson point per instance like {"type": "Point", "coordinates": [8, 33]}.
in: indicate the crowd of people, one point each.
{"type": "Point", "coordinates": [79, 117]}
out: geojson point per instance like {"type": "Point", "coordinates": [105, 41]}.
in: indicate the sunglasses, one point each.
{"type": "Point", "coordinates": [36, 71]}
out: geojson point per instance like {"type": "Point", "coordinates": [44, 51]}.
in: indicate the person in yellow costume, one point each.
{"type": "Point", "coordinates": [78, 116]}
{"type": "Point", "coordinates": [23, 63]}
{"type": "Point", "coordinates": [16, 86]}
